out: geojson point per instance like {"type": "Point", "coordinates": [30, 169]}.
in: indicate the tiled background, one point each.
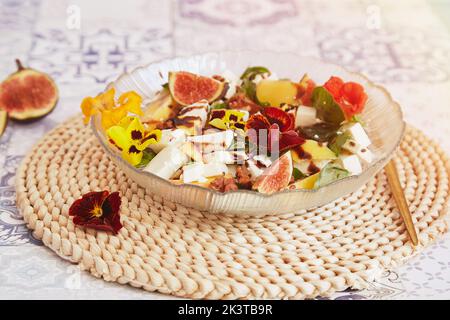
{"type": "Point", "coordinates": [405, 45]}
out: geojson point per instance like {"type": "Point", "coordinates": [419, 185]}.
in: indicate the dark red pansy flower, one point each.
{"type": "Point", "coordinates": [280, 117]}
{"type": "Point", "coordinates": [349, 95]}
{"type": "Point", "coordinates": [279, 125]}
{"type": "Point", "coordinates": [97, 210]}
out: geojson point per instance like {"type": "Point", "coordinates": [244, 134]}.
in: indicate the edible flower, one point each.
{"type": "Point", "coordinates": [305, 89]}
{"type": "Point", "coordinates": [227, 119]}
{"type": "Point", "coordinates": [349, 95]}
{"type": "Point", "coordinates": [279, 126]}
{"type": "Point", "coordinates": [111, 113]}
{"type": "Point", "coordinates": [97, 210]}
{"type": "Point", "coordinates": [130, 137]}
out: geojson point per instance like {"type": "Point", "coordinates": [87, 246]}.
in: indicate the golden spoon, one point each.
{"type": "Point", "coordinates": [399, 196]}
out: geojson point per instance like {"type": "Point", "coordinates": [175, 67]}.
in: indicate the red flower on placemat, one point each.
{"type": "Point", "coordinates": [98, 210]}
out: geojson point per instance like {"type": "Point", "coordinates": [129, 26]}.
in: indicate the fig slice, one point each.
{"type": "Point", "coordinates": [276, 177]}
{"type": "Point", "coordinates": [3, 121]}
{"type": "Point", "coordinates": [187, 88]}
{"type": "Point", "coordinates": [28, 94]}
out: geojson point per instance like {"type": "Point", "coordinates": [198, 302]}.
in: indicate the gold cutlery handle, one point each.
{"type": "Point", "coordinates": [399, 196]}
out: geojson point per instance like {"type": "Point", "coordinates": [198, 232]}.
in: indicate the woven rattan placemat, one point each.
{"type": "Point", "coordinates": [177, 250]}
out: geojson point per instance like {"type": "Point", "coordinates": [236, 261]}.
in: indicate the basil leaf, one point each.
{"type": "Point", "coordinates": [147, 156]}
{"type": "Point", "coordinates": [248, 86]}
{"type": "Point", "coordinates": [219, 105]}
{"type": "Point", "coordinates": [327, 109]}
{"type": "Point", "coordinates": [331, 172]}
{"type": "Point", "coordinates": [249, 89]}
{"type": "Point", "coordinates": [251, 72]}
{"type": "Point", "coordinates": [337, 142]}
{"type": "Point", "coordinates": [357, 118]}
{"type": "Point", "coordinates": [165, 86]}
{"type": "Point", "coordinates": [297, 174]}
{"type": "Point", "coordinates": [321, 132]}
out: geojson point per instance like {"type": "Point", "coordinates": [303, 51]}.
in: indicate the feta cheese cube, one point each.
{"type": "Point", "coordinates": [194, 151]}
{"type": "Point", "coordinates": [224, 138]}
{"type": "Point", "coordinates": [168, 137]}
{"type": "Point", "coordinates": [305, 116]}
{"type": "Point", "coordinates": [224, 156]}
{"type": "Point", "coordinates": [254, 170]}
{"type": "Point", "coordinates": [233, 81]}
{"type": "Point", "coordinates": [197, 110]}
{"type": "Point", "coordinates": [193, 172]}
{"type": "Point", "coordinates": [198, 172]}
{"type": "Point", "coordinates": [351, 145]}
{"type": "Point", "coordinates": [366, 155]}
{"type": "Point", "coordinates": [358, 134]}
{"type": "Point", "coordinates": [351, 163]}
{"type": "Point", "coordinates": [214, 169]}
{"type": "Point", "coordinates": [167, 162]}
{"type": "Point", "coordinates": [263, 159]}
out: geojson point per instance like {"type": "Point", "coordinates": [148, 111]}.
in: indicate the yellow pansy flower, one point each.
{"type": "Point", "coordinates": [130, 137]}
{"type": "Point", "coordinates": [129, 102]}
{"type": "Point", "coordinates": [227, 119]}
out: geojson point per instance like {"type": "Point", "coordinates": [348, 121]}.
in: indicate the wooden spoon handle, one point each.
{"type": "Point", "coordinates": [399, 196]}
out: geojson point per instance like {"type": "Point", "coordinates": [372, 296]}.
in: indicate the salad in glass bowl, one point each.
{"type": "Point", "coordinates": [254, 131]}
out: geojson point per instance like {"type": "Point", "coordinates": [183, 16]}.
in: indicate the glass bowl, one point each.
{"type": "Point", "coordinates": [382, 116]}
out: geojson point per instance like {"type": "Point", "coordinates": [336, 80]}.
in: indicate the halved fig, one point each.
{"type": "Point", "coordinates": [276, 177]}
{"type": "Point", "coordinates": [28, 94]}
{"type": "Point", "coordinates": [3, 121]}
{"type": "Point", "coordinates": [187, 88]}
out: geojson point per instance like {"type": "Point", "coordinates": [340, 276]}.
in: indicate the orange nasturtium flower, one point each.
{"type": "Point", "coordinates": [130, 137]}
{"type": "Point", "coordinates": [111, 113]}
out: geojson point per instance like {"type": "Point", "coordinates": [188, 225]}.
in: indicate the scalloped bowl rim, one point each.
{"type": "Point", "coordinates": [380, 162]}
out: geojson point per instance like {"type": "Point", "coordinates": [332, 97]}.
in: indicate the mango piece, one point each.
{"type": "Point", "coordinates": [307, 183]}
{"type": "Point", "coordinates": [276, 92]}
{"type": "Point", "coordinates": [311, 149]}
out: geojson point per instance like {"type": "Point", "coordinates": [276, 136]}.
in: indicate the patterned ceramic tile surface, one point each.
{"type": "Point", "coordinates": [388, 40]}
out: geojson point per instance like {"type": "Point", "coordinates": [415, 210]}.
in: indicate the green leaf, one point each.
{"type": "Point", "coordinates": [165, 86]}
{"type": "Point", "coordinates": [321, 132]}
{"type": "Point", "coordinates": [337, 143]}
{"type": "Point", "coordinates": [147, 156]}
{"type": "Point", "coordinates": [297, 174]}
{"type": "Point", "coordinates": [327, 109]}
{"type": "Point", "coordinates": [248, 86]}
{"type": "Point", "coordinates": [331, 172]}
{"type": "Point", "coordinates": [249, 89]}
{"type": "Point", "coordinates": [251, 72]}
{"type": "Point", "coordinates": [219, 105]}
{"type": "Point", "coordinates": [357, 118]}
